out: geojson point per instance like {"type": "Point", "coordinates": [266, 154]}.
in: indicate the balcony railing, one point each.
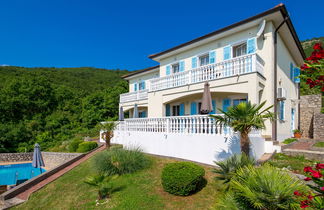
{"type": "Point", "coordinates": [133, 96]}
{"type": "Point", "coordinates": [236, 66]}
{"type": "Point", "coordinates": [186, 125]}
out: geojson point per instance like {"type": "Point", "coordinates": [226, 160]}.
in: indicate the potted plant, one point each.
{"type": "Point", "coordinates": [297, 133]}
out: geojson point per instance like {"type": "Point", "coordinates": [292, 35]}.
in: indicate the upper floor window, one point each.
{"type": "Point", "coordinates": [204, 60]}
{"type": "Point", "coordinates": [239, 50]}
{"type": "Point", "coordinates": [175, 68]}
{"type": "Point", "coordinates": [141, 85]}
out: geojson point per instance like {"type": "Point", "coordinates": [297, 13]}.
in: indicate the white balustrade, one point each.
{"type": "Point", "coordinates": [236, 66]}
{"type": "Point", "coordinates": [194, 124]}
{"type": "Point", "coordinates": [133, 96]}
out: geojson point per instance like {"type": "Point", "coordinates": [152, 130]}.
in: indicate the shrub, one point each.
{"type": "Point", "coordinates": [74, 144]}
{"type": "Point", "coordinates": [103, 185]}
{"type": "Point", "coordinates": [120, 161]}
{"type": "Point", "coordinates": [265, 187]}
{"type": "Point", "coordinates": [319, 144]}
{"type": "Point", "coordinates": [228, 167]}
{"type": "Point", "coordinates": [87, 146]}
{"type": "Point", "coordinates": [182, 178]}
{"type": "Point", "coordinates": [289, 140]}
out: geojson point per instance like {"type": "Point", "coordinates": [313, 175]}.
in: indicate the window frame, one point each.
{"type": "Point", "coordinates": [172, 67]}
{"type": "Point", "coordinates": [206, 56]}
{"type": "Point", "coordinates": [234, 47]}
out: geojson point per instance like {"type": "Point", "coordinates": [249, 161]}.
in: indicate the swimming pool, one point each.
{"type": "Point", "coordinates": [10, 174]}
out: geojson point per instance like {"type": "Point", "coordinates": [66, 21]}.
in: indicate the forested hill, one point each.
{"type": "Point", "coordinates": [308, 44]}
{"type": "Point", "coordinates": [85, 79]}
{"type": "Point", "coordinates": [51, 106]}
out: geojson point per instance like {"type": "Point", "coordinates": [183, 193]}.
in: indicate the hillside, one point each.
{"type": "Point", "coordinates": [51, 106]}
{"type": "Point", "coordinates": [86, 79]}
{"type": "Point", "coordinates": [308, 44]}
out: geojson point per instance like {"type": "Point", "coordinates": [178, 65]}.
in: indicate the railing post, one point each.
{"type": "Point", "coordinates": [253, 63]}
{"type": "Point", "coordinates": [168, 125]}
{"type": "Point", "coordinates": [190, 77]}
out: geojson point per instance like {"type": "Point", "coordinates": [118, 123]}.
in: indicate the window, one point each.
{"type": "Point", "coordinates": [281, 112]}
{"type": "Point", "coordinates": [238, 101]}
{"type": "Point", "coordinates": [239, 50]}
{"type": "Point", "coordinates": [199, 108]}
{"type": "Point", "coordinates": [176, 110]}
{"type": "Point", "coordinates": [175, 68]}
{"type": "Point", "coordinates": [142, 114]}
{"type": "Point", "coordinates": [141, 85]}
{"type": "Point", "coordinates": [204, 60]}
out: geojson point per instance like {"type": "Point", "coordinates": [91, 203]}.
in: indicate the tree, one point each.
{"type": "Point", "coordinates": [108, 131]}
{"type": "Point", "coordinates": [313, 68]}
{"type": "Point", "coordinates": [243, 118]}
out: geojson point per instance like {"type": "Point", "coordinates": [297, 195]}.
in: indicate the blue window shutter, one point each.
{"type": "Point", "coordinates": [167, 110]}
{"type": "Point", "coordinates": [181, 66]}
{"type": "Point", "coordinates": [168, 69]}
{"type": "Point", "coordinates": [182, 110]}
{"type": "Point", "coordinates": [194, 62]}
{"type": "Point", "coordinates": [282, 110]}
{"type": "Point", "coordinates": [144, 114]}
{"type": "Point", "coordinates": [214, 107]}
{"type": "Point", "coordinates": [296, 75]}
{"type": "Point", "coordinates": [291, 71]}
{"type": "Point", "coordinates": [236, 102]}
{"type": "Point", "coordinates": [226, 104]}
{"type": "Point", "coordinates": [193, 108]}
{"type": "Point", "coordinates": [212, 57]}
{"type": "Point", "coordinates": [143, 85]}
{"type": "Point", "coordinates": [227, 52]}
{"type": "Point", "coordinates": [251, 45]}
{"type": "Point", "coordinates": [135, 86]}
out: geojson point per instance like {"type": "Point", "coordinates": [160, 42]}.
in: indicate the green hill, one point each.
{"type": "Point", "coordinates": [53, 105]}
{"type": "Point", "coordinates": [308, 44]}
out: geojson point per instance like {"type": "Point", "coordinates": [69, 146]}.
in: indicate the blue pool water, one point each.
{"type": "Point", "coordinates": [10, 174]}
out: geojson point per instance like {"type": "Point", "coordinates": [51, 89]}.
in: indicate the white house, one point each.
{"type": "Point", "coordinates": [241, 62]}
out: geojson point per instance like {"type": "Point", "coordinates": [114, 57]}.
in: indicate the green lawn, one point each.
{"type": "Point", "coordinates": [319, 144]}
{"type": "Point", "coordinates": [295, 164]}
{"type": "Point", "coordinates": [141, 190]}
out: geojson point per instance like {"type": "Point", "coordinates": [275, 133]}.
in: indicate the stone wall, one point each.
{"type": "Point", "coordinates": [310, 116]}
{"type": "Point", "coordinates": [51, 159]}
{"type": "Point", "coordinates": [319, 126]}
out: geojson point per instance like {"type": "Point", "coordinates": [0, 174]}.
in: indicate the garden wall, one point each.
{"type": "Point", "coordinates": [311, 118]}
{"type": "Point", "coordinates": [199, 148]}
{"type": "Point", "coordinates": [51, 159]}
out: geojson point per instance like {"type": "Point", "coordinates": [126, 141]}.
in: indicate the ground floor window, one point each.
{"type": "Point", "coordinates": [142, 114]}
{"type": "Point", "coordinates": [176, 110]}
{"type": "Point", "coordinates": [238, 101]}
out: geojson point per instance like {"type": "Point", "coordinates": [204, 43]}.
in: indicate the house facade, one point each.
{"type": "Point", "coordinates": [238, 62]}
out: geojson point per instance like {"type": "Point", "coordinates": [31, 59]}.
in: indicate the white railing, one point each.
{"type": "Point", "coordinates": [194, 124]}
{"type": "Point", "coordinates": [133, 96]}
{"type": "Point", "coordinates": [236, 66]}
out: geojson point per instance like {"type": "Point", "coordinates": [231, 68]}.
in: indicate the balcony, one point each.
{"type": "Point", "coordinates": [133, 96]}
{"type": "Point", "coordinates": [236, 66]}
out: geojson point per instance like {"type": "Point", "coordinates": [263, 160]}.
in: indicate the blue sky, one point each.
{"type": "Point", "coordinates": [121, 34]}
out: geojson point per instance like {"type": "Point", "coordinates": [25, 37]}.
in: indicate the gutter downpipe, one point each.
{"type": "Point", "coordinates": [274, 124]}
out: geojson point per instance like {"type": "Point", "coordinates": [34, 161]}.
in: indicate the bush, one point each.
{"type": "Point", "coordinates": [74, 144]}
{"type": "Point", "coordinates": [265, 187]}
{"type": "Point", "coordinates": [118, 161]}
{"type": "Point", "coordinates": [182, 178]}
{"type": "Point", "coordinates": [227, 168]}
{"type": "Point", "coordinates": [87, 146]}
{"type": "Point", "coordinates": [289, 140]}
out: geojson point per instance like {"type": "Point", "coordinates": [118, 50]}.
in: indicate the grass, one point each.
{"type": "Point", "coordinates": [319, 144]}
{"type": "Point", "coordinates": [295, 164]}
{"type": "Point", "coordinates": [288, 141]}
{"type": "Point", "coordinates": [141, 190]}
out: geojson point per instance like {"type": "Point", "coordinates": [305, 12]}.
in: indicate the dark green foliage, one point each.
{"type": "Point", "coordinates": [227, 168]}
{"type": "Point", "coordinates": [264, 187]}
{"type": "Point", "coordinates": [289, 140]}
{"type": "Point", "coordinates": [103, 184]}
{"type": "Point", "coordinates": [87, 146]}
{"type": "Point", "coordinates": [118, 161]}
{"type": "Point", "coordinates": [182, 178]}
{"type": "Point", "coordinates": [53, 105]}
{"type": "Point", "coordinates": [74, 144]}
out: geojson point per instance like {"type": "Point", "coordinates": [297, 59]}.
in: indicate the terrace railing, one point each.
{"type": "Point", "coordinates": [133, 96]}
{"type": "Point", "coordinates": [236, 66]}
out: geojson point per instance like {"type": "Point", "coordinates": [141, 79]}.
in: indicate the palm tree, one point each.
{"type": "Point", "coordinates": [243, 118]}
{"type": "Point", "coordinates": [108, 134]}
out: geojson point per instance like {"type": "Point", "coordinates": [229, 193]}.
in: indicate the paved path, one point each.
{"type": "Point", "coordinates": [301, 145]}
{"type": "Point", "coordinates": [24, 195]}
